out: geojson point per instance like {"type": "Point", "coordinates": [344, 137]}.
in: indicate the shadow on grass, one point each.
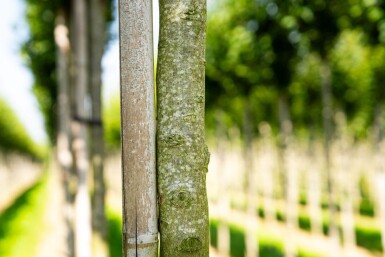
{"type": "Point", "coordinates": [369, 239]}
{"type": "Point", "coordinates": [115, 234]}
{"type": "Point", "coordinates": [21, 223]}
{"type": "Point", "coordinates": [238, 242]}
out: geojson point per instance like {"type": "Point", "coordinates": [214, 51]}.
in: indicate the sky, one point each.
{"type": "Point", "coordinates": [15, 79]}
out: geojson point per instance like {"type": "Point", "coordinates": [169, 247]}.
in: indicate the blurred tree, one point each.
{"type": "Point", "coordinates": [13, 136]}
{"type": "Point", "coordinates": [63, 140]}
{"type": "Point", "coordinates": [40, 50]}
{"type": "Point", "coordinates": [321, 22]}
{"type": "Point", "coordinates": [96, 41]}
{"type": "Point", "coordinates": [40, 53]}
{"type": "Point", "coordinates": [370, 17]}
{"type": "Point", "coordinates": [81, 113]}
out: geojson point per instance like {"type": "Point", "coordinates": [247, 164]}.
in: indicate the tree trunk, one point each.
{"type": "Point", "coordinates": [314, 187]}
{"type": "Point", "coordinates": [96, 46]}
{"type": "Point", "coordinates": [140, 232]}
{"type": "Point", "coordinates": [223, 243]}
{"type": "Point", "coordinates": [64, 157]}
{"type": "Point", "coordinates": [79, 133]}
{"type": "Point", "coordinates": [288, 173]}
{"type": "Point", "coordinates": [266, 167]}
{"type": "Point", "coordinates": [327, 114]}
{"type": "Point", "coordinates": [182, 153]}
{"type": "Point", "coordinates": [252, 248]}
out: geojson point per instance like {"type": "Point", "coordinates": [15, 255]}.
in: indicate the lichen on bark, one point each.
{"type": "Point", "coordinates": [181, 150]}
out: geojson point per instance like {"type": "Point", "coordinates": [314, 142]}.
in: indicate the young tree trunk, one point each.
{"type": "Point", "coordinates": [252, 248]}
{"type": "Point", "coordinates": [266, 167]}
{"type": "Point", "coordinates": [96, 42]}
{"type": "Point", "coordinates": [140, 232]}
{"type": "Point", "coordinates": [223, 244]}
{"type": "Point", "coordinates": [285, 131]}
{"type": "Point", "coordinates": [314, 188]}
{"type": "Point", "coordinates": [345, 169]}
{"type": "Point", "coordinates": [288, 173]}
{"type": "Point", "coordinates": [79, 131]}
{"type": "Point", "coordinates": [327, 114]}
{"type": "Point", "coordinates": [182, 153]}
{"type": "Point", "coordinates": [63, 135]}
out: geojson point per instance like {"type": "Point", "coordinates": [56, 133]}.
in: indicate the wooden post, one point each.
{"type": "Point", "coordinates": [140, 232]}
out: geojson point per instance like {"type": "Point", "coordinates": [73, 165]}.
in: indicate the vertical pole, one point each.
{"type": "Point", "coordinates": [140, 232]}
{"type": "Point", "coordinates": [79, 131]}
{"type": "Point", "coordinates": [64, 156]}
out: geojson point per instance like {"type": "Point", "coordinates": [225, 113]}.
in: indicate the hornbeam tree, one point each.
{"type": "Point", "coordinates": [97, 32]}
{"type": "Point", "coordinates": [79, 130]}
{"type": "Point", "coordinates": [140, 230]}
{"type": "Point", "coordinates": [182, 155]}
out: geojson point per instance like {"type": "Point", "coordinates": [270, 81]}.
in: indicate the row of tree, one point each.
{"type": "Point", "coordinates": [308, 58]}
{"type": "Point", "coordinates": [64, 53]}
{"type": "Point", "coordinates": [73, 88]}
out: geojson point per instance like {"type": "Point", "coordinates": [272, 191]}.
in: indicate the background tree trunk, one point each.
{"type": "Point", "coordinates": [140, 233]}
{"type": "Point", "coordinates": [97, 28]}
{"type": "Point", "coordinates": [64, 157]}
{"type": "Point", "coordinates": [79, 132]}
{"type": "Point", "coordinates": [182, 153]}
{"type": "Point", "coordinates": [327, 114]}
{"type": "Point", "coordinates": [252, 247]}
{"type": "Point", "coordinates": [224, 199]}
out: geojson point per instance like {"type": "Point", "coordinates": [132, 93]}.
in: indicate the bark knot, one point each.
{"type": "Point", "coordinates": [190, 244]}
{"type": "Point", "coordinates": [173, 140]}
{"type": "Point", "coordinates": [181, 198]}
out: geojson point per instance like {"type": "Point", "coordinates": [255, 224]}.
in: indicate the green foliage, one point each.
{"type": "Point", "coordinates": [40, 54]}
{"type": "Point", "coordinates": [111, 117]}
{"type": "Point", "coordinates": [258, 51]}
{"type": "Point", "coordinates": [39, 51]}
{"type": "Point", "coordinates": [22, 224]}
{"type": "Point", "coordinates": [13, 136]}
{"type": "Point", "coordinates": [114, 233]}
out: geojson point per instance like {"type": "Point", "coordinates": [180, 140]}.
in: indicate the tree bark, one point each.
{"type": "Point", "coordinates": [182, 153]}
{"type": "Point", "coordinates": [97, 27]}
{"type": "Point", "coordinates": [140, 232]}
{"type": "Point", "coordinates": [79, 131]}
{"type": "Point", "coordinates": [64, 157]}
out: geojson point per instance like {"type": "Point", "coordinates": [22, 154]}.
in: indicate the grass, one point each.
{"type": "Point", "coordinates": [368, 233]}
{"type": "Point", "coordinates": [269, 245]}
{"type": "Point", "coordinates": [114, 233]}
{"type": "Point", "coordinates": [22, 225]}
{"type": "Point", "coordinates": [21, 229]}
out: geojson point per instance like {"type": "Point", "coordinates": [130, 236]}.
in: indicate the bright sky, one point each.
{"type": "Point", "coordinates": [15, 78]}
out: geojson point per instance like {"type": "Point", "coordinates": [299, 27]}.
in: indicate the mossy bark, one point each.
{"type": "Point", "coordinates": [140, 231]}
{"type": "Point", "coordinates": [181, 150]}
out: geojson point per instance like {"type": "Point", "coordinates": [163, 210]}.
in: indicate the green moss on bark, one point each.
{"type": "Point", "coordinates": [182, 153]}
